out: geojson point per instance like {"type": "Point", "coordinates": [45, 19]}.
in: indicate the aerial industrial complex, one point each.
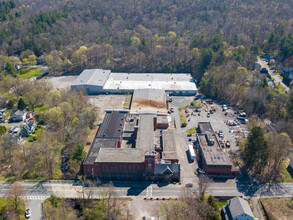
{"type": "Point", "coordinates": [99, 81]}
{"type": "Point", "coordinates": [140, 143]}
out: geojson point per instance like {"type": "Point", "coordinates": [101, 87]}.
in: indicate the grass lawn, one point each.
{"type": "Point", "coordinates": [220, 205]}
{"type": "Point", "coordinates": [196, 103]}
{"type": "Point", "coordinates": [286, 170]}
{"type": "Point", "coordinates": [27, 72]}
{"type": "Point", "coordinates": [126, 104]}
{"type": "Point", "coordinates": [39, 110]}
{"type": "Point", "coordinates": [182, 115]}
{"type": "Point", "coordinates": [278, 208]}
{"type": "Point", "coordinates": [191, 131]}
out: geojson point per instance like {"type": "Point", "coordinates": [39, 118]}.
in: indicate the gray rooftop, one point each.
{"type": "Point", "coordinates": [238, 206]}
{"type": "Point", "coordinates": [205, 127]}
{"type": "Point", "coordinates": [120, 155]}
{"type": "Point", "coordinates": [112, 125]}
{"type": "Point", "coordinates": [169, 145]}
{"type": "Point", "coordinates": [97, 145]}
{"type": "Point", "coordinates": [96, 77]}
{"type": "Point", "coordinates": [213, 154]}
{"type": "Point", "coordinates": [145, 135]}
{"type": "Point", "coordinates": [160, 168]}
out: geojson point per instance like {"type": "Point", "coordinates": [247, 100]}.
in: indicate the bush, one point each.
{"type": "Point", "coordinates": [54, 200]}
{"type": "Point", "coordinates": [183, 124]}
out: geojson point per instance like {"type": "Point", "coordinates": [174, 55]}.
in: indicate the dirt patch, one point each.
{"type": "Point", "coordinates": [279, 208]}
{"type": "Point", "coordinates": [144, 208]}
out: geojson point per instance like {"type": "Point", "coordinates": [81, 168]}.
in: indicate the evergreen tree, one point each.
{"type": "Point", "coordinates": [21, 104]}
{"type": "Point", "coordinates": [256, 151]}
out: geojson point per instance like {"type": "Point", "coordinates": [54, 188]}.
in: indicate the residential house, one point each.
{"type": "Point", "coordinates": [237, 209]}
{"type": "Point", "coordinates": [18, 115]}
{"type": "Point", "coordinates": [288, 71]}
{"type": "Point", "coordinates": [28, 129]}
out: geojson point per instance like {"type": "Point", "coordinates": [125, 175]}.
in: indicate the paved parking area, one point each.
{"type": "Point", "coordinates": [61, 82]}
{"type": "Point", "coordinates": [218, 121]}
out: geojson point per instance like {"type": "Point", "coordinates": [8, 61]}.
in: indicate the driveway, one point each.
{"type": "Point", "coordinates": [35, 206]}
{"type": "Point", "coordinates": [271, 72]}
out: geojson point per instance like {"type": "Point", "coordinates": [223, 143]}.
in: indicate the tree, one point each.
{"type": "Point", "coordinates": [21, 104]}
{"type": "Point", "coordinates": [205, 59]}
{"type": "Point", "coordinates": [79, 153]}
{"type": "Point", "coordinates": [14, 194]}
{"type": "Point", "coordinates": [173, 210]}
{"type": "Point", "coordinates": [203, 185]}
{"type": "Point", "coordinates": [3, 130]}
{"type": "Point", "coordinates": [10, 69]}
{"type": "Point", "coordinates": [32, 60]}
{"type": "Point", "coordinates": [256, 152]}
{"type": "Point", "coordinates": [255, 50]}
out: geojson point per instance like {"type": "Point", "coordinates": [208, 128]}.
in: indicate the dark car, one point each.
{"type": "Point", "coordinates": [264, 70]}
{"type": "Point", "coordinates": [189, 185]}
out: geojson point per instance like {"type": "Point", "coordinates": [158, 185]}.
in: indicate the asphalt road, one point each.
{"type": "Point", "coordinates": [271, 72]}
{"type": "Point", "coordinates": [37, 192]}
{"type": "Point", "coordinates": [142, 190]}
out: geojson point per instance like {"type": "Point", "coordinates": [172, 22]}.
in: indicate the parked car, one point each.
{"type": "Point", "coordinates": [221, 134]}
{"type": "Point", "coordinates": [189, 185]}
{"type": "Point", "coordinates": [264, 70]}
{"type": "Point", "coordinates": [172, 109]}
{"type": "Point", "coordinates": [27, 213]}
{"type": "Point", "coordinates": [228, 144]}
{"type": "Point", "coordinates": [208, 115]}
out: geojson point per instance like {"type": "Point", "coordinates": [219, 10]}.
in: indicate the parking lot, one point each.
{"type": "Point", "coordinates": [219, 120]}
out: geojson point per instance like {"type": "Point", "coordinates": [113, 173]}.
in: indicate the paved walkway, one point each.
{"type": "Point", "coordinates": [256, 208]}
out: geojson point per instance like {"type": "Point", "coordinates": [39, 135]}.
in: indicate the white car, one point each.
{"type": "Point", "coordinates": [27, 213]}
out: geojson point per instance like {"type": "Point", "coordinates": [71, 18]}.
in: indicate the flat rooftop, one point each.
{"type": "Point", "coordinates": [96, 77]}
{"type": "Point", "coordinates": [169, 145]}
{"type": "Point", "coordinates": [213, 154]}
{"type": "Point", "coordinates": [149, 101]}
{"type": "Point", "coordinates": [145, 135]}
{"type": "Point", "coordinates": [97, 145]}
{"type": "Point", "coordinates": [205, 127]}
{"type": "Point", "coordinates": [163, 81]}
{"type": "Point", "coordinates": [119, 155]}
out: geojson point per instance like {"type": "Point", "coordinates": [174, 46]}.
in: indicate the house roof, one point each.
{"type": "Point", "coordinates": [161, 168]}
{"type": "Point", "coordinates": [238, 206]}
{"type": "Point", "coordinates": [18, 113]}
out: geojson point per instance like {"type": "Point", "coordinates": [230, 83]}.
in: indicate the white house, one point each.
{"type": "Point", "coordinates": [238, 209]}
{"type": "Point", "coordinates": [18, 115]}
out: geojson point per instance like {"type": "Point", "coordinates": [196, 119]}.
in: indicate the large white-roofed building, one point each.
{"type": "Point", "coordinates": [99, 81]}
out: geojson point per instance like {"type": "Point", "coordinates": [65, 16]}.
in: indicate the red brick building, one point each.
{"type": "Point", "coordinates": [124, 148]}
{"type": "Point", "coordinates": [215, 161]}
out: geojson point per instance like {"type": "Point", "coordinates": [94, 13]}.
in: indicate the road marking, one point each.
{"type": "Point", "coordinates": [149, 191]}
{"type": "Point", "coordinates": [34, 197]}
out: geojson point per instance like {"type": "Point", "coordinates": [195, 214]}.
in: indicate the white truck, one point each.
{"type": "Point", "coordinates": [191, 152]}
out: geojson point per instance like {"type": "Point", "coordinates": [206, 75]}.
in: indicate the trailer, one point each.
{"type": "Point", "coordinates": [191, 152]}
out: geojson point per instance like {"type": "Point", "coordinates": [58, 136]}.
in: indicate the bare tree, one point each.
{"type": "Point", "coordinates": [203, 185]}
{"type": "Point", "coordinates": [14, 194]}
